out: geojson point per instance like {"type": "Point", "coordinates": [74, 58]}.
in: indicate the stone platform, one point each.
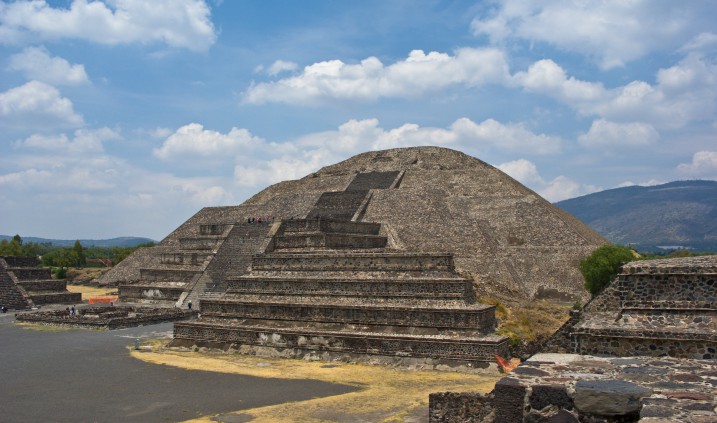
{"type": "Point", "coordinates": [24, 285]}
{"type": "Point", "coordinates": [106, 317]}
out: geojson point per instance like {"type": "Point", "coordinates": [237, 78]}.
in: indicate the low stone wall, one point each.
{"type": "Point", "coordinates": [107, 317]}
{"type": "Point", "coordinates": [482, 319]}
{"type": "Point", "coordinates": [621, 344]}
{"type": "Point", "coordinates": [303, 341]}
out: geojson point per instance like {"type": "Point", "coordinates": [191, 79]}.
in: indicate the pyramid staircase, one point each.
{"type": "Point", "coordinates": [654, 308]}
{"type": "Point", "coordinates": [330, 287]}
{"type": "Point", "coordinates": [180, 274]}
{"type": "Point", "coordinates": [23, 285]}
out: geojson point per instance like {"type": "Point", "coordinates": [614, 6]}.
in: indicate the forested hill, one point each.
{"type": "Point", "coordinates": [681, 213]}
{"type": "Point", "coordinates": [114, 242]}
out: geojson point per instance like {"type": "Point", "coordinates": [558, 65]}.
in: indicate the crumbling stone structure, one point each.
{"type": "Point", "coordinates": [643, 350]}
{"type": "Point", "coordinates": [107, 317]}
{"type": "Point", "coordinates": [24, 285]}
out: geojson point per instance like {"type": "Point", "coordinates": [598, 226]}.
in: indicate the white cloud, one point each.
{"type": "Point", "coordinates": [557, 189]}
{"type": "Point", "coordinates": [85, 141]}
{"type": "Point", "coordinates": [604, 134]}
{"type": "Point", "coordinates": [281, 66]}
{"type": "Point", "coordinates": [193, 140]}
{"type": "Point", "coordinates": [546, 76]}
{"type": "Point", "coordinates": [611, 33]}
{"type": "Point", "coordinates": [37, 105]}
{"type": "Point", "coordinates": [684, 93]}
{"type": "Point", "coordinates": [651, 182]}
{"type": "Point", "coordinates": [704, 164]}
{"type": "Point", "coordinates": [370, 80]}
{"type": "Point", "coordinates": [177, 23]}
{"type": "Point", "coordinates": [36, 63]}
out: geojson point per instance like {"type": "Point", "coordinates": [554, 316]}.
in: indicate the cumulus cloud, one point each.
{"type": "Point", "coordinates": [704, 164]}
{"type": "Point", "coordinates": [281, 66]}
{"type": "Point", "coordinates": [611, 33]}
{"type": "Point", "coordinates": [193, 140]}
{"type": "Point", "coordinates": [370, 79]}
{"type": "Point", "coordinates": [84, 141]}
{"type": "Point", "coordinates": [177, 23]}
{"type": "Point", "coordinates": [603, 134]}
{"type": "Point", "coordinates": [557, 189]}
{"type": "Point", "coordinates": [36, 63]}
{"type": "Point", "coordinates": [683, 93]}
{"type": "Point", "coordinates": [37, 105]}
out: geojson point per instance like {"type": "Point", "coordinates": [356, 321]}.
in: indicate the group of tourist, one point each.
{"type": "Point", "coordinates": [71, 312]}
{"type": "Point", "coordinates": [260, 220]}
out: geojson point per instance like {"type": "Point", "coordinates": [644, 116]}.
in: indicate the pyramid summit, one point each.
{"type": "Point", "coordinates": [385, 254]}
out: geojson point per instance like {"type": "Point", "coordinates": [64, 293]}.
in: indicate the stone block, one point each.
{"type": "Point", "coordinates": [509, 401]}
{"type": "Point", "coordinates": [609, 397]}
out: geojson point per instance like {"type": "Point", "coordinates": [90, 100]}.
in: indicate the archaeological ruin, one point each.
{"type": "Point", "coordinates": [24, 285]}
{"type": "Point", "coordinates": [643, 350]}
{"type": "Point", "coordinates": [385, 254]}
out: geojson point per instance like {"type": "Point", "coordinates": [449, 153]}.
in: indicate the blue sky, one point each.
{"type": "Point", "coordinates": [125, 117]}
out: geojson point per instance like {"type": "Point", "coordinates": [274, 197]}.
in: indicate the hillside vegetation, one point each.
{"type": "Point", "coordinates": [676, 214]}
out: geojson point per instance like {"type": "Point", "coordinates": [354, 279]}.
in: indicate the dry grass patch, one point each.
{"type": "Point", "coordinates": [90, 291]}
{"type": "Point", "coordinates": [383, 395]}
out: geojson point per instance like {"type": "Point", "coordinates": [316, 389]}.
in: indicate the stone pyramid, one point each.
{"type": "Point", "coordinates": [383, 254]}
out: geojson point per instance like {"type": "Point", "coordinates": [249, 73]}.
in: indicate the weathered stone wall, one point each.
{"type": "Point", "coordinates": [107, 317]}
{"type": "Point", "coordinates": [359, 261]}
{"type": "Point", "coordinates": [409, 288]}
{"type": "Point", "coordinates": [480, 319]}
{"type": "Point", "coordinates": [303, 341]}
{"type": "Point", "coordinates": [20, 261]}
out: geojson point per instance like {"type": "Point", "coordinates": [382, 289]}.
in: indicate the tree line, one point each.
{"type": "Point", "coordinates": [64, 257]}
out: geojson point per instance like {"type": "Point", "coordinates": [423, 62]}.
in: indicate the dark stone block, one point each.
{"type": "Point", "coordinates": [545, 395]}
{"type": "Point", "coordinates": [530, 371]}
{"type": "Point", "coordinates": [509, 399]}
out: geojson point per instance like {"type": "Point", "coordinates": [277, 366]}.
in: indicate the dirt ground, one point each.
{"type": "Point", "coordinates": [384, 394]}
{"type": "Point", "coordinates": [90, 291]}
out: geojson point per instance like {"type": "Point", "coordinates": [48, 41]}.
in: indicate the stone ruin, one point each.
{"type": "Point", "coordinates": [24, 285]}
{"type": "Point", "coordinates": [106, 316]}
{"type": "Point", "coordinates": [643, 350]}
{"type": "Point", "coordinates": [384, 254]}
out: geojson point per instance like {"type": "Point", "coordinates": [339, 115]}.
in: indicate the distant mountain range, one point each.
{"type": "Point", "coordinates": [114, 242]}
{"type": "Point", "coordinates": [681, 214]}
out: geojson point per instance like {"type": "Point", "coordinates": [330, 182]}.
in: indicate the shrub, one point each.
{"type": "Point", "coordinates": [602, 266]}
{"type": "Point", "coordinates": [60, 273]}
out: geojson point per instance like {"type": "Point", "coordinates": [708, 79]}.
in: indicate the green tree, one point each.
{"type": "Point", "coordinates": [602, 266]}
{"type": "Point", "coordinates": [77, 255]}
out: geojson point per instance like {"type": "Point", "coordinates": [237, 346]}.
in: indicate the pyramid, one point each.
{"type": "Point", "coordinates": [385, 253]}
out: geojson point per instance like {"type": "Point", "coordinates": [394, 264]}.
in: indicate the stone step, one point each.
{"type": "Point", "coordinates": [44, 285]}
{"type": "Point", "coordinates": [329, 240]}
{"type": "Point", "coordinates": [411, 288]}
{"type": "Point", "coordinates": [462, 316]}
{"type": "Point", "coordinates": [342, 261]}
{"type": "Point", "coordinates": [628, 342]}
{"type": "Point", "coordinates": [440, 347]}
{"type": "Point", "coordinates": [45, 297]}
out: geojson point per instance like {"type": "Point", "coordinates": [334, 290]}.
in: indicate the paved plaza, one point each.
{"type": "Point", "coordinates": [88, 375]}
